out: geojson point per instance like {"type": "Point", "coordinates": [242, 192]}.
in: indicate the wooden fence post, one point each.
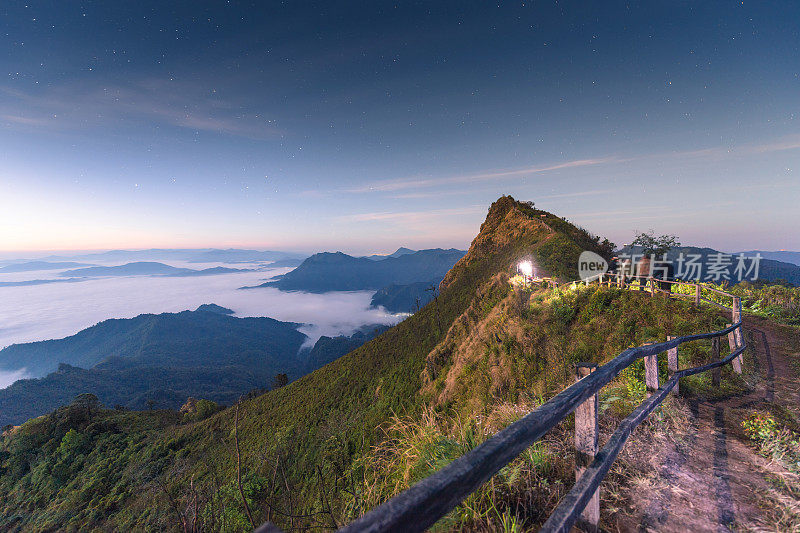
{"type": "Point", "coordinates": [651, 372]}
{"type": "Point", "coordinates": [736, 364]}
{"type": "Point", "coordinates": [697, 294]}
{"type": "Point", "coordinates": [652, 286]}
{"type": "Point", "coordinates": [737, 312]}
{"type": "Point", "coordinates": [586, 440]}
{"type": "Point", "coordinates": [716, 373]}
{"type": "Point", "coordinates": [672, 365]}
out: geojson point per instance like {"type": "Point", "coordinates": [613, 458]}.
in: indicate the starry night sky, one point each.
{"type": "Point", "coordinates": [366, 126]}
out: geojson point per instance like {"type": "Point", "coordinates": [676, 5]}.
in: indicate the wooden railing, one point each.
{"type": "Point", "coordinates": [420, 506]}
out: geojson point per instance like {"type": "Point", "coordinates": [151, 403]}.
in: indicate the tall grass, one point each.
{"type": "Point", "coordinates": [513, 500]}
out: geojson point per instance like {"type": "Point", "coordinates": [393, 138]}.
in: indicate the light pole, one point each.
{"type": "Point", "coordinates": [526, 269]}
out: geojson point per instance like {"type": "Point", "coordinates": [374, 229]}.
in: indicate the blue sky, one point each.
{"type": "Point", "coordinates": [366, 126]}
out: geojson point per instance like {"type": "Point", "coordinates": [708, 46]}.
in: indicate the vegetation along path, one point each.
{"type": "Point", "coordinates": [732, 468]}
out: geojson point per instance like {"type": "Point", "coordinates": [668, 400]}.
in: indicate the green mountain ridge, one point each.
{"type": "Point", "coordinates": [318, 435]}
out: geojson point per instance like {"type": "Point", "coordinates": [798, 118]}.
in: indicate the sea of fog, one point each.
{"type": "Point", "coordinates": [57, 310]}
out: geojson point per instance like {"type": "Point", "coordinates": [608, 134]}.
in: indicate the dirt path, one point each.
{"type": "Point", "coordinates": [711, 482]}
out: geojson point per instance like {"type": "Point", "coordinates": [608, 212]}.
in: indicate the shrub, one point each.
{"type": "Point", "coordinates": [73, 443]}
{"type": "Point", "coordinates": [774, 440]}
{"type": "Point", "coordinates": [759, 426]}
{"type": "Point", "coordinates": [563, 312]}
{"type": "Point", "coordinates": [203, 409]}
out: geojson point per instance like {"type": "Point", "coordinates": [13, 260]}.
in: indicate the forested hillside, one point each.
{"type": "Point", "coordinates": [158, 361]}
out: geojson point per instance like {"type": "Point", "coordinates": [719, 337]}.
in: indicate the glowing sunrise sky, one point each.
{"type": "Point", "coordinates": [363, 126]}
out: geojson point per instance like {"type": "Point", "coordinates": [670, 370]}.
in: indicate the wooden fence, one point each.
{"type": "Point", "coordinates": [420, 506]}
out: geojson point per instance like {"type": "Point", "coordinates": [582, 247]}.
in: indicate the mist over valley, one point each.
{"type": "Point", "coordinates": [55, 310]}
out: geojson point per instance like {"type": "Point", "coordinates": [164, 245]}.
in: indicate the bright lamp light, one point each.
{"type": "Point", "coordinates": [526, 268]}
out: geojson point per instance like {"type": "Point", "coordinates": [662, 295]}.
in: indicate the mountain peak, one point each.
{"type": "Point", "coordinates": [509, 225]}
{"type": "Point", "coordinates": [402, 251]}
{"type": "Point", "coordinates": [507, 221]}
{"type": "Point", "coordinates": [514, 230]}
{"type": "Point", "coordinates": [214, 308]}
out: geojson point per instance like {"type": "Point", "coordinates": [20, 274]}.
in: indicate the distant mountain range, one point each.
{"type": "Point", "coordinates": [37, 282]}
{"type": "Point", "coordinates": [325, 272]}
{"type": "Point", "coordinates": [153, 335]}
{"type": "Point", "coordinates": [289, 262]}
{"type": "Point", "coordinates": [233, 255]}
{"type": "Point", "coordinates": [193, 255]}
{"type": "Point", "coordinates": [769, 269]}
{"type": "Point", "coordinates": [40, 265]}
{"type": "Point", "coordinates": [783, 256]}
{"type": "Point", "coordinates": [400, 251]}
{"type": "Point", "coordinates": [138, 268]}
{"type": "Point", "coordinates": [147, 268]}
{"type": "Point", "coordinates": [163, 358]}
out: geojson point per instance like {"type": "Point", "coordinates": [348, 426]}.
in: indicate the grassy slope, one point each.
{"type": "Point", "coordinates": [325, 419]}
{"type": "Point", "coordinates": [498, 368]}
{"type": "Point", "coordinates": [528, 342]}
